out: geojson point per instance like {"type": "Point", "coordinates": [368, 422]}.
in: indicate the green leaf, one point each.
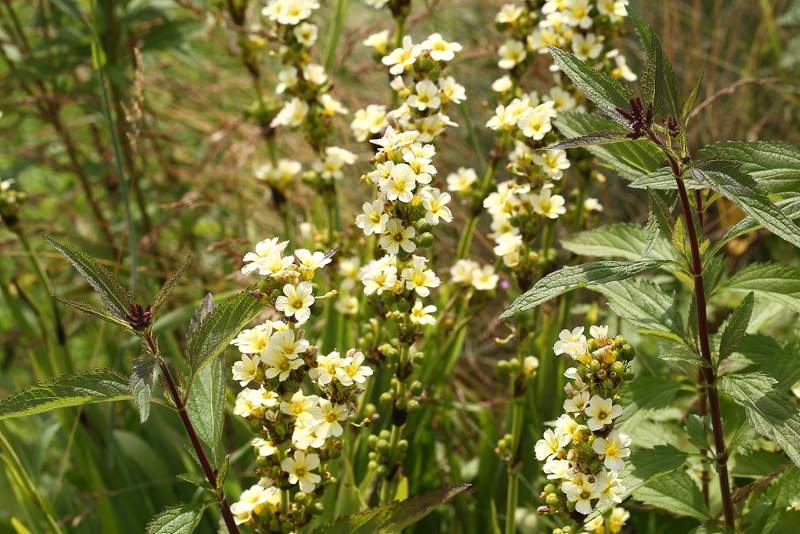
{"type": "Point", "coordinates": [206, 405]}
{"type": "Point", "coordinates": [771, 281]}
{"type": "Point", "coordinates": [164, 291]}
{"type": "Point", "coordinates": [606, 92]}
{"type": "Point", "coordinates": [598, 138]}
{"type": "Point", "coordinates": [770, 411]}
{"type": "Point", "coordinates": [179, 519]}
{"type": "Point", "coordinates": [696, 429]}
{"type": "Point", "coordinates": [96, 311]}
{"type": "Point", "coordinates": [649, 393]}
{"type": "Point", "coordinates": [115, 298]}
{"type": "Point", "coordinates": [619, 240]}
{"type": "Point", "coordinates": [688, 106]}
{"type": "Point", "coordinates": [789, 207]}
{"type": "Point", "coordinates": [757, 353]}
{"type": "Point", "coordinates": [680, 353]}
{"type": "Point", "coordinates": [142, 381]}
{"type": "Point", "coordinates": [726, 179]}
{"type": "Point", "coordinates": [661, 84]}
{"type": "Point", "coordinates": [646, 306]}
{"type": "Point", "coordinates": [646, 465]}
{"type": "Point", "coordinates": [570, 278]}
{"type": "Point", "coordinates": [630, 158]}
{"type": "Point", "coordinates": [663, 179]}
{"type": "Point", "coordinates": [773, 165]}
{"type": "Point", "coordinates": [83, 387]}
{"type": "Point", "coordinates": [676, 493]}
{"type": "Point", "coordinates": [394, 517]}
{"type": "Point", "coordinates": [736, 327]}
{"type": "Point", "coordinates": [216, 331]}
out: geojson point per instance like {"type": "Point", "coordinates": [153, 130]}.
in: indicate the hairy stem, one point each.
{"type": "Point", "coordinates": [180, 406]}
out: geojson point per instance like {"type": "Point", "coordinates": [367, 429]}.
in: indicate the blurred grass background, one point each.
{"type": "Point", "coordinates": [175, 71]}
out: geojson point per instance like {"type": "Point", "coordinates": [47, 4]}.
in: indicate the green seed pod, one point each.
{"type": "Point", "coordinates": [415, 388]}
{"type": "Point", "coordinates": [608, 384]}
{"type": "Point", "coordinates": [385, 434]}
{"type": "Point", "coordinates": [413, 405]}
{"type": "Point", "coordinates": [425, 240]}
{"type": "Point", "coordinates": [386, 398]}
{"type": "Point", "coordinates": [552, 499]}
{"type": "Point", "coordinates": [618, 367]}
{"type": "Point", "coordinates": [381, 471]}
{"type": "Point", "coordinates": [402, 445]}
{"type": "Point", "coordinates": [594, 366]}
{"type": "Point", "coordinates": [502, 366]}
{"type": "Point", "coordinates": [372, 465]}
{"type": "Point", "coordinates": [601, 374]}
{"type": "Point", "coordinates": [550, 488]}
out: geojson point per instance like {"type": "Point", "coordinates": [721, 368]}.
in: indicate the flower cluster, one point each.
{"type": "Point", "coordinates": [307, 103]}
{"type": "Point", "coordinates": [471, 273]}
{"type": "Point", "coordinates": [584, 453]}
{"type": "Point", "coordinates": [299, 430]}
{"type": "Point", "coordinates": [420, 85]}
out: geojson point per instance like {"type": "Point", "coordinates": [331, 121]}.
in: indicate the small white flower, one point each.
{"type": "Point", "coordinates": [296, 301]}
{"type": "Point", "coordinates": [615, 448]}
{"type": "Point", "coordinates": [451, 91]}
{"type": "Point", "coordinates": [422, 315]}
{"type": "Point", "coordinates": [550, 444]}
{"type": "Point", "coordinates": [461, 181]}
{"type": "Point", "coordinates": [306, 34]}
{"type": "Point", "coordinates": [502, 84]}
{"type": "Point", "coordinates": [462, 271]}
{"type": "Point", "coordinates": [547, 204]}
{"type": "Point", "coordinates": [511, 54]}
{"type": "Point", "coordinates": [372, 219]}
{"type": "Point", "coordinates": [253, 340]}
{"type": "Point", "coordinates": [586, 47]}
{"type": "Point", "coordinates": [397, 236]}
{"type": "Point", "coordinates": [292, 114]}
{"type": "Point", "coordinates": [400, 59]}
{"type": "Point", "coordinates": [601, 412]}
{"type": "Point", "coordinates": [435, 203]}
{"type": "Point", "coordinates": [419, 278]}
{"type": "Point", "coordinates": [378, 41]}
{"type": "Point", "coordinates": [353, 371]}
{"type": "Point", "coordinates": [426, 96]}
{"type": "Point", "coordinates": [300, 470]}
{"type": "Point", "coordinates": [572, 343]}
{"type": "Point", "coordinates": [400, 183]}
{"type": "Point", "coordinates": [367, 121]}
{"type": "Point", "coordinates": [246, 369]}
{"type": "Point", "coordinates": [508, 14]}
{"type": "Point", "coordinates": [439, 49]}
{"type": "Point", "coordinates": [485, 278]}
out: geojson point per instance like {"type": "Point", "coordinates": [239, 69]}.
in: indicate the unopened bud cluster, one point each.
{"type": "Point", "coordinates": [584, 454]}
{"type": "Point", "coordinates": [11, 199]}
{"type": "Point", "coordinates": [299, 430]}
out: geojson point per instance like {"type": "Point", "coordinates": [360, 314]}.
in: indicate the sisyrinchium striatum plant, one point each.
{"type": "Point", "coordinates": [530, 285]}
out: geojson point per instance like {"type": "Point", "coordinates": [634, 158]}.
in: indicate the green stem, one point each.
{"type": "Point", "coordinates": [465, 241]}
{"type": "Point", "coordinates": [100, 68]}
{"type": "Point", "coordinates": [336, 33]}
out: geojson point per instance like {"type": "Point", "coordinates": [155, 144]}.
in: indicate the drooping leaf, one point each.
{"type": "Point", "coordinates": [83, 387]}
{"type": "Point", "coordinates": [775, 166]}
{"type": "Point", "coordinates": [790, 207]}
{"type": "Point", "coordinates": [763, 354]}
{"type": "Point", "coordinates": [96, 311]}
{"type": "Point", "coordinates": [725, 178]}
{"type": "Point", "coordinates": [570, 278]}
{"type": "Point", "coordinates": [179, 519]}
{"type": "Point", "coordinates": [619, 240]}
{"type": "Point", "coordinates": [646, 306]}
{"type": "Point", "coordinates": [115, 298]}
{"type": "Point", "coordinates": [164, 291]}
{"type": "Point", "coordinates": [598, 138]}
{"type": "Point", "coordinates": [676, 493]}
{"type": "Point", "coordinates": [769, 410]}
{"type": "Point", "coordinates": [394, 517]}
{"type": "Point", "coordinates": [206, 405]}
{"type": "Point", "coordinates": [772, 281]}
{"type": "Point", "coordinates": [142, 380]}
{"type": "Point", "coordinates": [649, 393]}
{"type": "Point", "coordinates": [630, 159]}
{"type": "Point", "coordinates": [220, 327]}
{"type": "Point", "coordinates": [736, 327]}
{"type": "Point", "coordinates": [604, 91]}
